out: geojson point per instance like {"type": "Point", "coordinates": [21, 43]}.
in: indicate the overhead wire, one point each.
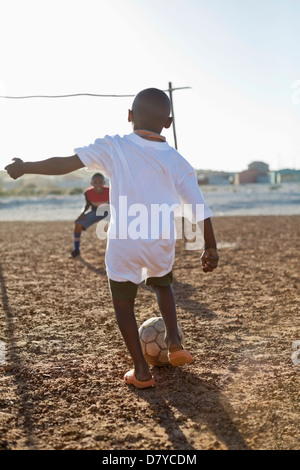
{"type": "Point", "coordinates": [78, 94]}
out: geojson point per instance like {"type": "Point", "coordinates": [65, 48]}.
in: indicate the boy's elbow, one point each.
{"type": "Point", "coordinates": [70, 164]}
{"type": "Point", "coordinates": [76, 163]}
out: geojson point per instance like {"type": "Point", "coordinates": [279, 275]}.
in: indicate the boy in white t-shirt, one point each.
{"type": "Point", "coordinates": [146, 176]}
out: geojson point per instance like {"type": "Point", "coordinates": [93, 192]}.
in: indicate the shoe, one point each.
{"type": "Point", "coordinates": [131, 379]}
{"type": "Point", "coordinates": [75, 253]}
{"type": "Point", "coordinates": [180, 357]}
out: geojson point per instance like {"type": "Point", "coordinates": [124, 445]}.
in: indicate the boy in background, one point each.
{"type": "Point", "coordinates": [96, 195]}
{"type": "Point", "coordinates": [145, 171]}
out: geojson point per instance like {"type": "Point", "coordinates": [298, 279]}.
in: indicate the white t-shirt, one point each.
{"type": "Point", "coordinates": [145, 176]}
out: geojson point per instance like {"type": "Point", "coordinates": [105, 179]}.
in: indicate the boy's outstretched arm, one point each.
{"type": "Point", "coordinates": [209, 257]}
{"type": "Point", "coordinates": [50, 166]}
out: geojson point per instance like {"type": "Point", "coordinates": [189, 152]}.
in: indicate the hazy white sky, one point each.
{"type": "Point", "coordinates": [240, 58]}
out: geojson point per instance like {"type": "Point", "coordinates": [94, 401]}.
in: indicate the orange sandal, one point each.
{"type": "Point", "coordinates": [131, 379]}
{"type": "Point", "coordinates": [180, 357]}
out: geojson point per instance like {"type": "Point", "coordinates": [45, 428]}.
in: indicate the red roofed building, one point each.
{"type": "Point", "coordinates": [258, 172]}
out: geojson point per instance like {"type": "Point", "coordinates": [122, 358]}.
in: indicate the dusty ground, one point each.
{"type": "Point", "coordinates": [61, 387]}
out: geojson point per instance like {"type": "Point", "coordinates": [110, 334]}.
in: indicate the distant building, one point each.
{"type": "Point", "coordinates": [220, 178]}
{"type": "Point", "coordinates": [261, 167]}
{"type": "Point", "coordinates": [285, 176]}
{"type": "Point", "coordinates": [202, 179]}
{"type": "Point", "coordinates": [214, 177]}
{"type": "Point", "coordinates": [258, 172]}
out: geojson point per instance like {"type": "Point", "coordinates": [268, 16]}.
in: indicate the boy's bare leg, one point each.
{"type": "Point", "coordinates": [166, 303]}
{"type": "Point", "coordinates": [78, 228]}
{"type": "Point", "coordinates": [124, 310]}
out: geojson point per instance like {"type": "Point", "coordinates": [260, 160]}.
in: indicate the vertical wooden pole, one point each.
{"type": "Point", "coordinates": [176, 147]}
{"type": "Point", "coordinates": [172, 111]}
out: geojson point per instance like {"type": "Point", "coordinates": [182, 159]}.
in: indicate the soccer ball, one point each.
{"type": "Point", "coordinates": [152, 338]}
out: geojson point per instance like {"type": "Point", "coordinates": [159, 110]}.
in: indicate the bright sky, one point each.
{"type": "Point", "coordinates": [240, 58]}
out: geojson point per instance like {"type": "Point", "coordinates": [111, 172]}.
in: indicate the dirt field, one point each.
{"type": "Point", "coordinates": [61, 387]}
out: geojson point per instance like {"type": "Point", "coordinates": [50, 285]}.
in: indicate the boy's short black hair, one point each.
{"type": "Point", "coordinates": [98, 175]}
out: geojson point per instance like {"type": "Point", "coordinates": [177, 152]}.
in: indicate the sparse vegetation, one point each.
{"type": "Point", "coordinates": [36, 185]}
{"type": "Point", "coordinates": [34, 190]}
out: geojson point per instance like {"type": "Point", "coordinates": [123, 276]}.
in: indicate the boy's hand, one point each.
{"type": "Point", "coordinates": [209, 259]}
{"type": "Point", "coordinates": [15, 170]}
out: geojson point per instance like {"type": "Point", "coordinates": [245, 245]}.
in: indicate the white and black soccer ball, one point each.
{"type": "Point", "coordinates": [152, 338]}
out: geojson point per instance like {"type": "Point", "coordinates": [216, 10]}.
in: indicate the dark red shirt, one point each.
{"type": "Point", "coordinates": [95, 199]}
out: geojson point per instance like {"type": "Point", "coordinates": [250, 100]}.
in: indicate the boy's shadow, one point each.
{"type": "Point", "coordinates": [183, 294]}
{"type": "Point", "coordinates": [191, 399]}
{"type": "Point", "coordinates": [91, 267]}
